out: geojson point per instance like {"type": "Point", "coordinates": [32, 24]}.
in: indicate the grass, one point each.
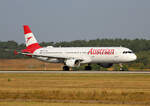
{"type": "Point", "coordinates": [59, 104]}
{"type": "Point", "coordinates": [27, 64]}
{"type": "Point", "coordinates": [34, 64]}
{"type": "Point", "coordinates": [80, 88]}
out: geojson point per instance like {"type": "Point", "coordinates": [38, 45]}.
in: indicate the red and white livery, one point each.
{"type": "Point", "coordinates": [75, 56]}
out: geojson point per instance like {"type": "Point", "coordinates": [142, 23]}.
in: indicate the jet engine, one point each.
{"type": "Point", "coordinates": [106, 65]}
{"type": "Point", "coordinates": [72, 63]}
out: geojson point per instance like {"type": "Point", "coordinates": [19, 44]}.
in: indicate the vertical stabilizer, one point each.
{"type": "Point", "coordinates": [31, 42]}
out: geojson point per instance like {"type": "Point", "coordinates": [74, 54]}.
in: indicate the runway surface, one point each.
{"type": "Point", "coordinates": [80, 72]}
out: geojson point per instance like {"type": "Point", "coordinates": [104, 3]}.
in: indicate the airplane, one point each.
{"type": "Point", "coordinates": [75, 56]}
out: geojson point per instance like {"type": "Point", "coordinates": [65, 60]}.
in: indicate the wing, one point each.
{"type": "Point", "coordinates": [48, 56]}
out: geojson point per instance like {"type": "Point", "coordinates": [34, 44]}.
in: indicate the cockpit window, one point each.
{"type": "Point", "coordinates": [125, 52]}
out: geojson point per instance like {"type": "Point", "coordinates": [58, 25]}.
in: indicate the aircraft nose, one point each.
{"type": "Point", "coordinates": [134, 57]}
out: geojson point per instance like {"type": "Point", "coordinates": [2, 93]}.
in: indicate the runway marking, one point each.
{"type": "Point", "coordinates": [80, 72]}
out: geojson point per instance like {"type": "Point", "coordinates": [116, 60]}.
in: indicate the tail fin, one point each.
{"type": "Point", "coordinates": [31, 42]}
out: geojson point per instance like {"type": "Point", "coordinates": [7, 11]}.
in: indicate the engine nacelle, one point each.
{"type": "Point", "coordinates": [106, 65]}
{"type": "Point", "coordinates": [72, 63]}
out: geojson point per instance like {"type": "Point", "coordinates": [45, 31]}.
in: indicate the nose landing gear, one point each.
{"type": "Point", "coordinates": [121, 67]}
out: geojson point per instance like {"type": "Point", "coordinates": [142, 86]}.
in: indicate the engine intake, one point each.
{"type": "Point", "coordinates": [72, 63]}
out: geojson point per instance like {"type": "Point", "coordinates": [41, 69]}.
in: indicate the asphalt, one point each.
{"type": "Point", "coordinates": [79, 72]}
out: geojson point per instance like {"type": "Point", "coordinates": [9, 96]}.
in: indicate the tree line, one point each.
{"type": "Point", "coordinates": [140, 46]}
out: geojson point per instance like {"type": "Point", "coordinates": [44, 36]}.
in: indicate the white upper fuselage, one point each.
{"type": "Point", "coordinates": [74, 56]}
{"type": "Point", "coordinates": [88, 54]}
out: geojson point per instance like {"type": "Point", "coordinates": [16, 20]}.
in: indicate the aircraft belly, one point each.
{"type": "Point", "coordinates": [103, 59]}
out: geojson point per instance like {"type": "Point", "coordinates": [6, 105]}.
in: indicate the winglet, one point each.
{"type": "Point", "coordinates": [15, 52]}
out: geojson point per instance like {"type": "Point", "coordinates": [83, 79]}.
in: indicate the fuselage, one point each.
{"type": "Point", "coordinates": [87, 54]}
{"type": "Point", "coordinates": [74, 56]}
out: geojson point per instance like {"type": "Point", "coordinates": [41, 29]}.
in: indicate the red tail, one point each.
{"type": "Point", "coordinates": [27, 29]}
{"type": "Point", "coordinates": [31, 42]}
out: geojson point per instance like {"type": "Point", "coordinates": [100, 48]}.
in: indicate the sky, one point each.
{"type": "Point", "coordinates": [67, 20]}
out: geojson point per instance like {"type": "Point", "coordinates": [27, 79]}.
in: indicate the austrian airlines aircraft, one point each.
{"type": "Point", "coordinates": [75, 56]}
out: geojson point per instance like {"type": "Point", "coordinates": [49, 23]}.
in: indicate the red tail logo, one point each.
{"type": "Point", "coordinates": [28, 38]}
{"type": "Point", "coordinates": [31, 43]}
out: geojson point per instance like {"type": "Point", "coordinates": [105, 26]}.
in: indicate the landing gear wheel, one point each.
{"type": "Point", "coordinates": [88, 68]}
{"type": "Point", "coordinates": [121, 67]}
{"type": "Point", "coordinates": [66, 68]}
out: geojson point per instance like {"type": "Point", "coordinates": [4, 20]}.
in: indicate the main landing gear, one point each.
{"type": "Point", "coordinates": [66, 68]}
{"type": "Point", "coordinates": [88, 67]}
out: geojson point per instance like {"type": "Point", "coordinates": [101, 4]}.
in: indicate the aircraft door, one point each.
{"type": "Point", "coordinates": [116, 57]}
